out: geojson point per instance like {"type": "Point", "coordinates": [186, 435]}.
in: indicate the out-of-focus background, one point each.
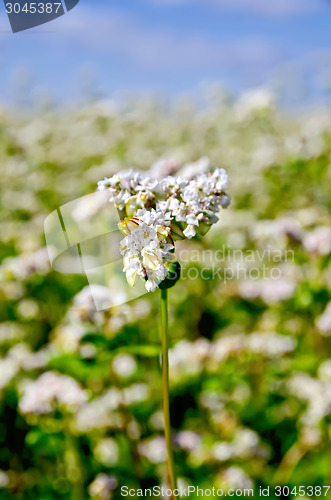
{"type": "Point", "coordinates": [157, 85]}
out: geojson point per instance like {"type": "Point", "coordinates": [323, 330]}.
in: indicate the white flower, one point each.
{"type": "Point", "coordinates": [159, 210]}
{"type": "Point", "coordinates": [145, 248]}
{"type": "Point", "coordinates": [164, 167]}
{"type": "Point", "coordinates": [269, 344]}
{"type": "Point", "coordinates": [189, 231]}
{"type": "Point", "coordinates": [190, 170]}
{"type": "Point", "coordinates": [25, 266]}
{"type": "Point", "coordinates": [236, 478]}
{"type": "Point", "coordinates": [136, 393]}
{"type": "Point", "coordinates": [124, 365]}
{"type": "Point", "coordinates": [121, 186]}
{"type": "Point", "coordinates": [253, 102]}
{"type": "Point", "coordinates": [324, 371]}
{"type": "Point", "coordinates": [103, 486]}
{"type": "Point", "coordinates": [245, 444]}
{"type": "Point", "coordinates": [270, 290]}
{"type": "Point", "coordinates": [318, 241]}
{"type": "Point", "coordinates": [323, 322]}
{"type": "Point", "coordinates": [154, 449]}
{"type": "Point", "coordinates": [100, 412]}
{"type": "Point", "coordinates": [189, 202]}
{"type": "Point", "coordinates": [317, 394]}
{"type": "Point", "coordinates": [222, 451]}
{"type": "Point", "coordinates": [107, 452]}
{"type": "Point", "coordinates": [188, 440]}
{"type": "Point", "coordinates": [89, 299]}
{"type": "Point", "coordinates": [4, 479]}
{"type": "Point", "coordinates": [49, 389]}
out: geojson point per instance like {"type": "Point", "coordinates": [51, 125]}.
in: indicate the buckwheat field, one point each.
{"type": "Point", "coordinates": [250, 317]}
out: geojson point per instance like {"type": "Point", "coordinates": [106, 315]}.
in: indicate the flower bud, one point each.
{"type": "Point", "coordinates": [177, 232]}
{"type": "Point", "coordinates": [132, 205]}
{"type": "Point", "coordinates": [174, 271]}
{"type": "Point", "coordinates": [126, 225]}
{"type": "Point", "coordinates": [202, 229]}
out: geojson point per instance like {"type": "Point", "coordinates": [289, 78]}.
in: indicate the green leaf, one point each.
{"type": "Point", "coordinates": [148, 350]}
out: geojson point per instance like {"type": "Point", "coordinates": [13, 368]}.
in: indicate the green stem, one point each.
{"type": "Point", "coordinates": [165, 389]}
{"type": "Point", "coordinates": [74, 468]}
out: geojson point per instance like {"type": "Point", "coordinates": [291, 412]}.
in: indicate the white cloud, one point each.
{"type": "Point", "coordinates": [145, 46]}
{"type": "Point", "coordinates": [263, 7]}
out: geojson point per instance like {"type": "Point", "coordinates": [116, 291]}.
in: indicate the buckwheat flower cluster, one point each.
{"type": "Point", "coordinates": [156, 212]}
{"type": "Point", "coordinates": [145, 248]}
{"type": "Point", "coordinates": [190, 203]}
{"type": "Point", "coordinates": [194, 203]}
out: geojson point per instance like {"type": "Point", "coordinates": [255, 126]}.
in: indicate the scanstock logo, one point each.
{"type": "Point", "coordinates": [25, 14]}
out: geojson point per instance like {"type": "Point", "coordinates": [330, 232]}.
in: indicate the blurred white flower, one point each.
{"type": "Point", "coordinates": [316, 393]}
{"type": "Point", "coordinates": [222, 451]}
{"type": "Point", "coordinates": [48, 391]}
{"type": "Point", "coordinates": [235, 477]}
{"type": "Point", "coordinates": [323, 322]}
{"type": "Point", "coordinates": [156, 420]}
{"type": "Point", "coordinates": [124, 365]}
{"type": "Point", "coordinates": [8, 370]}
{"type": "Point", "coordinates": [269, 344]}
{"type": "Point", "coordinates": [29, 360]}
{"type": "Point", "coordinates": [136, 393]}
{"type": "Point", "coordinates": [277, 230]}
{"type": "Point", "coordinates": [68, 336]}
{"type": "Point", "coordinates": [324, 371]}
{"type": "Point", "coordinates": [103, 486]}
{"type": "Point", "coordinates": [100, 412]}
{"type": "Point", "coordinates": [28, 309]}
{"type": "Point", "coordinates": [245, 444]}
{"type": "Point", "coordinates": [253, 102]}
{"type": "Point", "coordinates": [188, 440]}
{"type": "Point", "coordinates": [11, 330]}
{"type": "Point", "coordinates": [88, 206]}
{"type": "Point", "coordinates": [318, 241]}
{"type": "Point", "coordinates": [212, 400]}
{"type": "Point", "coordinates": [107, 452]}
{"type": "Point", "coordinates": [20, 357]}
{"type": "Point", "coordinates": [92, 299]}
{"type": "Point", "coordinates": [133, 430]}
{"type": "Point", "coordinates": [163, 168]}
{"type": "Point", "coordinates": [10, 289]}
{"type": "Point", "coordinates": [188, 356]}
{"type": "Point", "coordinates": [24, 266]}
{"type": "Point", "coordinates": [192, 169]}
{"type": "Point", "coordinates": [154, 449]}
{"type": "Point", "coordinates": [4, 479]}
{"type": "Point", "coordinates": [271, 291]}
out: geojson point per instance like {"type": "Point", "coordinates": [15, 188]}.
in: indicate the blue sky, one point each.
{"type": "Point", "coordinates": [170, 47]}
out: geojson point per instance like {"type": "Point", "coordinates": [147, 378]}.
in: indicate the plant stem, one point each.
{"type": "Point", "coordinates": [74, 468]}
{"type": "Point", "coordinates": [165, 389]}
